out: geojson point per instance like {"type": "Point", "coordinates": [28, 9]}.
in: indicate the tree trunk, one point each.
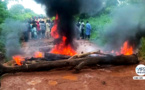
{"type": "Point", "coordinates": [79, 63]}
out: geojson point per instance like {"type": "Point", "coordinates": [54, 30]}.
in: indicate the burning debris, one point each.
{"type": "Point", "coordinates": [38, 55]}
{"type": "Point", "coordinates": [18, 59]}
{"type": "Point", "coordinates": [126, 49]}
{"type": "Point", "coordinates": [77, 63]}
{"type": "Point", "coordinates": [62, 47]}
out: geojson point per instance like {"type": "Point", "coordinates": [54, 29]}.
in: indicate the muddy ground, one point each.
{"type": "Point", "coordinates": [95, 78]}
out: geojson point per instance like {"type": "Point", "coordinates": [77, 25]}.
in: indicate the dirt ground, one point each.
{"type": "Point", "coordinates": [95, 78]}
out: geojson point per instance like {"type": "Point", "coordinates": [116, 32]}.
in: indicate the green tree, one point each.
{"type": "Point", "coordinates": [3, 16]}
{"type": "Point", "coordinates": [20, 13]}
{"type": "Point", "coordinates": [3, 11]}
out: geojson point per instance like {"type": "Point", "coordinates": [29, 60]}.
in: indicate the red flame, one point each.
{"type": "Point", "coordinates": [61, 48]}
{"type": "Point", "coordinates": [126, 49]}
{"type": "Point", "coordinates": [38, 55]}
{"type": "Point", "coordinates": [54, 32]}
{"type": "Point", "coordinates": [18, 59]}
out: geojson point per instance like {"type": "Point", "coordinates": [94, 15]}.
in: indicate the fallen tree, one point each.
{"type": "Point", "coordinates": [77, 63]}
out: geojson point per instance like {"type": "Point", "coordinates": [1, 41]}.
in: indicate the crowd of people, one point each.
{"type": "Point", "coordinates": [41, 28]}
{"type": "Point", "coordinates": [84, 30]}
{"type": "Point", "coordinates": [37, 29]}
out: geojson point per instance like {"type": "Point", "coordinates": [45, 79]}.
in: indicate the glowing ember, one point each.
{"type": "Point", "coordinates": [61, 48]}
{"type": "Point", "coordinates": [18, 59]}
{"type": "Point", "coordinates": [38, 55]}
{"type": "Point", "coordinates": [126, 49]}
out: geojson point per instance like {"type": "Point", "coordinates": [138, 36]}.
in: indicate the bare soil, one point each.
{"type": "Point", "coordinates": [95, 78]}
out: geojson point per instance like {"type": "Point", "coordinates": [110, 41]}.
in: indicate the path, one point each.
{"type": "Point", "coordinates": [99, 78]}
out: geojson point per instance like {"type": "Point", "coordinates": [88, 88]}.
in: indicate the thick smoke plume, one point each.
{"type": "Point", "coordinates": [10, 36]}
{"type": "Point", "coordinates": [66, 10]}
{"type": "Point", "coordinates": [128, 25]}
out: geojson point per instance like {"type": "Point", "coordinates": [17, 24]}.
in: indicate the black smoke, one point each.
{"type": "Point", "coordinates": [66, 10]}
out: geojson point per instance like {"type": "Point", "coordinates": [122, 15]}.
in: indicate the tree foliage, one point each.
{"type": "Point", "coordinates": [20, 13]}
{"type": "Point", "coordinates": [3, 11]}
{"type": "Point", "coordinates": [3, 16]}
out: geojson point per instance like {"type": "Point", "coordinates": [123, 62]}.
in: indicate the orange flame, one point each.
{"type": "Point", "coordinates": [54, 32]}
{"type": "Point", "coordinates": [126, 49]}
{"type": "Point", "coordinates": [18, 59]}
{"type": "Point", "coordinates": [61, 48]}
{"type": "Point", "coordinates": [38, 55]}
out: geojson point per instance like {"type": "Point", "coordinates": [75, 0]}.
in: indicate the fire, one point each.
{"type": "Point", "coordinates": [38, 55]}
{"type": "Point", "coordinates": [61, 48]}
{"type": "Point", "coordinates": [54, 32]}
{"type": "Point", "coordinates": [126, 49]}
{"type": "Point", "coordinates": [18, 59]}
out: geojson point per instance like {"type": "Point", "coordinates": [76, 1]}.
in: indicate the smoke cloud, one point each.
{"type": "Point", "coordinates": [10, 35]}
{"type": "Point", "coordinates": [128, 24]}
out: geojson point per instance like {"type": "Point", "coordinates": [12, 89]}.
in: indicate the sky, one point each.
{"type": "Point", "coordinates": [31, 4]}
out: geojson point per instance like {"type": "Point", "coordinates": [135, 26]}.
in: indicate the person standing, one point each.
{"type": "Point", "coordinates": [79, 30]}
{"type": "Point", "coordinates": [34, 30]}
{"type": "Point", "coordinates": [82, 30]}
{"type": "Point", "coordinates": [30, 34]}
{"type": "Point", "coordinates": [88, 30]}
{"type": "Point", "coordinates": [43, 28]}
{"type": "Point", "coordinates": [33, 25]}
{"type": "Point", "coordinates": [47, 34]}
{"type": "Point", "coordinates": [38, 29]}
{"type": "Point", "coordinates": [26, 31]}
{"type": "Point", "coordinates": [30, 27]}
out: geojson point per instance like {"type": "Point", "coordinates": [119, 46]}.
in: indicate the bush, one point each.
{"type": "Point", "coordinates": [142, 48]}
{"type": "Point", "coordinates": [98, 24]}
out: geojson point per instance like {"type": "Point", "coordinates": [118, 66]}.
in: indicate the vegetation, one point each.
{"type": "Point", "coordinates": [98, 24]}
{"type": "Point", "coordinates": [17, 13]}
{"type": "Point", "coordinates": [141, 52]}
{"type": "Point", "coordinates": [3, 16]}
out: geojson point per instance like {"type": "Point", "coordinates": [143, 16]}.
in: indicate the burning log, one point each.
{"type": "Point", "coordinates": [47, 57]}
{"type": "Point", "coordinates": [53, 57]}
{"type": "Point", "coordinates": [86, 54]}
{"type": "Point", "coordinates": [78, 63]}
